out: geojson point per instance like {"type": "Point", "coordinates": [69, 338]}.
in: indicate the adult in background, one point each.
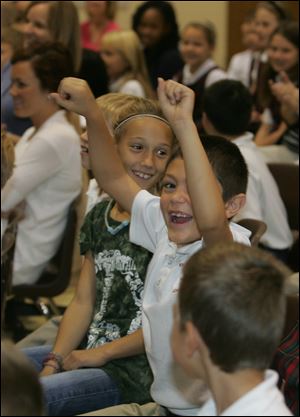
{"type": "Point", "coordinates": [47, 173]}
{"type": "Point", "coordinates": [57, 21]}
{"type": "Point", "coordinates": [100, 22]}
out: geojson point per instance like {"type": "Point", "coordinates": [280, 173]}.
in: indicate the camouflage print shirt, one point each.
{"type": "Point", "coordinates": [120, 274]}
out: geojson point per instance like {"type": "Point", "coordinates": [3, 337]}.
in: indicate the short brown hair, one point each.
{"type": "Point", "coordinates": [227, 163]}
{"type": "Point", "coordinates": [234, 295]}
{"type": "Point", "coordinates": [21, 392]}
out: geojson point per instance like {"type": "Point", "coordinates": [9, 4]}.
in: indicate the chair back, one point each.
{"type": "Point", "coordinates": [292, 313]}
{"type": "Point", "coordinates": [256, 227]}
{"type": "Point", "coordinates": [287, 179]}
{"type": "Point", "coordinates": [57, 275]}
{"type": "Point", "coordinates": [7, 258]}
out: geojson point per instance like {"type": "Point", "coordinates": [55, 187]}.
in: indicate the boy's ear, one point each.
{"type": "Point", "coordinates": [206, 123]}
{"type": "Point", "coordinates": [234, 205]}
{"type": "Point", "coordinates": [193, 338]}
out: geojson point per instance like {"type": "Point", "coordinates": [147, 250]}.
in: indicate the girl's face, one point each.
{"type": "Point", "coordinates": [36, 28]}
{"type": "Point", "coordinates": [176, 205]}
{"type": "Point", "coordinates": [283, 55]}
{"type": "Point", "coordinates": [116, 64]}
{"type": "Point", "coordinates": [28, 97]}
{"type": "Point", "coordinates": [194, 48]}
{"type": "Point", "coordinates": [265, 24]}
{"type": "Point", "coordinates": [144, 148]}
{"type": "Point", "coordinates": [151, 28]}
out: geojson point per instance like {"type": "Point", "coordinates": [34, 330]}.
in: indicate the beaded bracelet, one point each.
{"type": "Point", "coordinates": [52, 356]}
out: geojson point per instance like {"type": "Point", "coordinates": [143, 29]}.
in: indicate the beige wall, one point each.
{"type": "Point", "coordinates": [187, 11]}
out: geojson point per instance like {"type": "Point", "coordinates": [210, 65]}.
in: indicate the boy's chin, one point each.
{"type": "Point", "coordinates": [182, 239]}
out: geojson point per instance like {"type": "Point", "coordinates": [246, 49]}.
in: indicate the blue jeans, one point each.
{"type": "Point", "coordinates": [74, 392]}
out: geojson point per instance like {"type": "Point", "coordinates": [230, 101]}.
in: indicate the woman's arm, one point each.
{"type": "Point", "coordinates": [37, 164]}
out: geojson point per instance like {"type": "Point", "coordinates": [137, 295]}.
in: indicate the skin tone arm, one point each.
{"type": "Point", "coordinates": [177, 102]}
{"type": "Point", "coordinates": [80, 312]}
{"type": "Point", "coordinates": [77, 317]}
{"type": "Point", "coordinates": [264, 137]}
{"type": "Point", "coordinates": [288, 95]}
{"type": "Point", "coordinates": [286, 91]}
{"type": "Point", "coordinates": [75, 95]}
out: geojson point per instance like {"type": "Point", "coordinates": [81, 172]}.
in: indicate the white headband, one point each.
{"type": "Point", "coordinates": [134, 116]}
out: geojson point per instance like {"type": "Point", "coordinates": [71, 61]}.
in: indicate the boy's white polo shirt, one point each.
{"type": "Point", "coordinates": [171, 387]}
{"type": "Point", "coordinates": [263, 400]}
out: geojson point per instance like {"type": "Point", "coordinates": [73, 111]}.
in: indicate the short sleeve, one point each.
{"type": "Point", "coordinates": [147, 223]}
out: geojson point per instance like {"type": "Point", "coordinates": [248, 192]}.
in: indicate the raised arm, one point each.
{"type": "Point", "coordinates": [75, 95]}
{"type": "Point", "coordinates": [177, 102]}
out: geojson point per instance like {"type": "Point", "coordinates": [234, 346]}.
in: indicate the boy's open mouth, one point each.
{"type": "Point", "coordinates": [179, 218]}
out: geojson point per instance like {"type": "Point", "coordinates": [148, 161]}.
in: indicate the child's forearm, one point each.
{"type": "Point", "coordinates": [205, 192]}
{"type": "Point", "coordinates": [105, 162]}
{"type": "Point", "coordinates": [124, 347]}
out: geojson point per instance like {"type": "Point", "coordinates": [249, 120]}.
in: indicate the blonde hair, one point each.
{"type": "Point", "coordinates": [127, 43]}
{"type": "Point", "coordinates": [118, 106]}
{"type": "Point", "coordinates": [64, 26]}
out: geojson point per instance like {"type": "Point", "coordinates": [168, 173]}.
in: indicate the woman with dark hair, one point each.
{"type": "Point", "coordinates": [47, 172]}
{"type": "Point", "coordinates": [156, 25]}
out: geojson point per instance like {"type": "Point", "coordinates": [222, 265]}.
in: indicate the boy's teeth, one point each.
{"type": "Point", "coordinates": [179, 215]}
{"type": "Point", "coordinates": [141, 175]}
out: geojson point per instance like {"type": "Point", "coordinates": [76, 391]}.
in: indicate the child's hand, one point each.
{"type": "Point", "coordinates": [75, 95]}
{"type": "Point", "coordinates": [176, 101]}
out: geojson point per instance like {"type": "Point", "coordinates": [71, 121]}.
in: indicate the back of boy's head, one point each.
{"type": "Point", "coordinates": [119, 108]}
{"type": "Point", "coordinates": [21, 393]}
{"type": "Point", "coordinates": [228, 106]}
{"type": "Point", "coordinates": [227, 163]}
{"type": "Point", "coordinates": [234, 295]}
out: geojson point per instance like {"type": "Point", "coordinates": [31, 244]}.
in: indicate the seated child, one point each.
{"type": "Point", "coordinates": [193, 211]}
{"type": "Point", "coordinates": [197, 44]}
{"type": "Point", "coordinates": [227, 326]}
{"type": "Point", "coordinates": [226, 111]}
{"type": "Point", "coordinates": [99, 344]}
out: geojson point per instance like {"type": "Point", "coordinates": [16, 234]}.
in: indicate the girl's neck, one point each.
{"type": "Point", "coordinates": [118, 213]}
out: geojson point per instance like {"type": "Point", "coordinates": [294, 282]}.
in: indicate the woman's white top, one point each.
{"type": "Point", "coordinates": [47, 175]}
